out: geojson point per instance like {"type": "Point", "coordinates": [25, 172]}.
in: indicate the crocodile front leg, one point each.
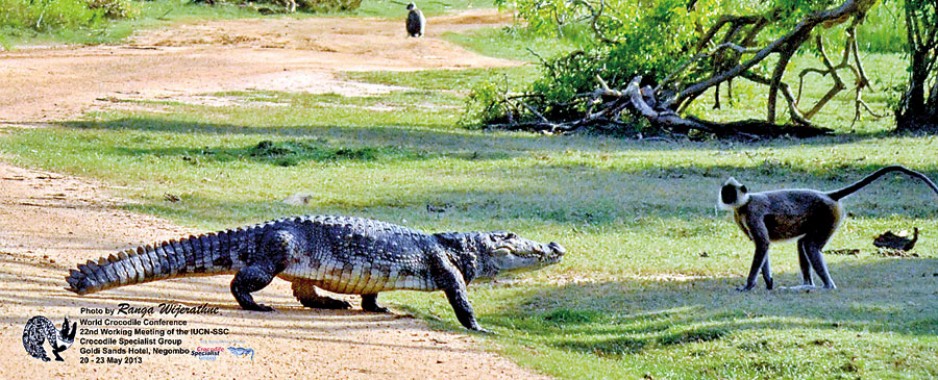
{"type": "Point", "coordinates": [448, 278]}
{"type": "Point", "coordinates": [305, 291]}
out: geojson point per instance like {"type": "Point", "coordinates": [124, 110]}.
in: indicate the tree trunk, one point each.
{"type": "Point", "coordinates": [917, 108]}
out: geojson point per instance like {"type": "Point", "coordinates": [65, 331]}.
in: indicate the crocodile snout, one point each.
{"type": "Point", "coordinates": [556, 249]}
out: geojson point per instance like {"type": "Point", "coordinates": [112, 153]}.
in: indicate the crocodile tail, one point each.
{"type": "Point", "coordinates": [202, 255]}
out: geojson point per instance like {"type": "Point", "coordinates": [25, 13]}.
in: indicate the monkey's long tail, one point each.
{"type": "Point", "coordinates": [203, 255]}
{"type": "Point", "coordinates": [849, 190]}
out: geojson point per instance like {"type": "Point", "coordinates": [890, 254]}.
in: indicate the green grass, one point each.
{"type": "Point", "coordinates": [516, 43]}
{"type": "Point", "coordinates": [397, 9]}
{"type": "Point", "coordinates": [647, 285]}
{"type": "Point", "coordinates": [450, 81]}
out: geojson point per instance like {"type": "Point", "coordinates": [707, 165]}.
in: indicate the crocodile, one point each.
{"type": "Point", "coordinates": [340, 254]}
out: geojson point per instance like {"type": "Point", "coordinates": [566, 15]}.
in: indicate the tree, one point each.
{"type": "Point", "coordinates": [918, 107]}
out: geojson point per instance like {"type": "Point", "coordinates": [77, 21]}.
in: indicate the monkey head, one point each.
{"type": "Point", "coordinates": [411, 6]}
{"type": "Point", "coordinates": [733, 194]}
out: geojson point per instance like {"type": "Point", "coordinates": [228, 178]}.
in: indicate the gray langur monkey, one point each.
{"type": "Point", "coordinates": [810, 216]}
{"type": "Point", "coordinates": [415, 21]}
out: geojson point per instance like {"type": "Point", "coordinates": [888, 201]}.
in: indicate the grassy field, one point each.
{"type": "Point", "coordinates": [646, 289]}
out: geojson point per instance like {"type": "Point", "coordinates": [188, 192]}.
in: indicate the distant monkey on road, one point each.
{"type": "Point", "coordinates": [415, 21]}
{"type": "Point", "coordinates": [810, 216]}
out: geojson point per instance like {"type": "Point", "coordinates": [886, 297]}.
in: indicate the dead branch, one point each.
{"type": "Point", "coordinates": [788, 42]}
{"type": "Point", "coordinates": [725, 51]}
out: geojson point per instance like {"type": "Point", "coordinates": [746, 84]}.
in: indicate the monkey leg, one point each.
{"type": "Point", "coordinates": [305, 291]}
{"type": "Point", "coordinates": [248, 280]}
{"type": "Point", "coordinates": [370, 303]}
{"type": "Point", "coordinates": [767, 274]}
{"type": "Point", "coordinates": [813, 249]}
{"type": "Point", "coordinates": [760, 259]}
{"type": "Point", "coordinates": [805, 264]}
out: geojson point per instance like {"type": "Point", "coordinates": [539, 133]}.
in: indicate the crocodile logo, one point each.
{"type": "Point", "coordinates": [242, 352]}
{"type": "Point", "coordinates": [40, 329]}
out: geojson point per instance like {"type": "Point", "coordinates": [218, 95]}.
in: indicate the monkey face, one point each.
{"type": "Point", "coordinates": [733, 194]}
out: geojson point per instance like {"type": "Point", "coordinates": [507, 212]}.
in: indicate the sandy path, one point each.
{"type": "Point", "coordinates": [50, 222]}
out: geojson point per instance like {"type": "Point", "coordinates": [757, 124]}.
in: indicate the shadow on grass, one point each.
{"type": "Point", "coordinates": [289, 152]}
{"type": "Point", "coordinates": [631, 316]}
{"type": "Point", "coordinates": [546, 184]}
{"type": "Point", "coordinates": [389, 143]}
{"type": "Point", "coordinates": [448, 136]}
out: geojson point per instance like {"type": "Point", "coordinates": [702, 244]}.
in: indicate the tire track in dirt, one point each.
{"type": "Point", "coordinates": [50, 222]}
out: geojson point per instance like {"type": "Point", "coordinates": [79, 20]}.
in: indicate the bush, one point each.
{"type": "Point", "coordinates": [328, 5]}
{"type": "Point", "coordinates": [50, 15]}
{"type": "Point", "coordinates": [114, 9]}
{"type": "Point", "coordinates": [45, 15]}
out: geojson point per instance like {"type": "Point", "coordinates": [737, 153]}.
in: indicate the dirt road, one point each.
{"type": "Point", "coordinates": [269, 54]}
{"type": "Point", "coordinates": [50, 222]}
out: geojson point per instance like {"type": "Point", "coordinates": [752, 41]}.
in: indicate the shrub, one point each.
{"type": "Point", "coordinates": [114, 9]}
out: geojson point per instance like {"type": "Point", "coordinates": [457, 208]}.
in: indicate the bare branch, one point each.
{"type": "Point", "coordinates": [795, 37]}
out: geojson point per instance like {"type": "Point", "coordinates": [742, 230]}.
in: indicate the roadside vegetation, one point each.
{"type": "Point", "coordinates": [647, 287]}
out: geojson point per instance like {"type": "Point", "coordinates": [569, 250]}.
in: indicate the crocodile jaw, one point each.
{"type": "Point", "coordinates": [522, 255]}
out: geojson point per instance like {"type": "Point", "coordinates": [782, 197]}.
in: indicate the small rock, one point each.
{"type": "Point", "coordinates": [298, 199]}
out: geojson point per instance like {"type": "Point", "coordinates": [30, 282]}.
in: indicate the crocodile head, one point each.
{"type": "Point", "coordinates": [492, 253]}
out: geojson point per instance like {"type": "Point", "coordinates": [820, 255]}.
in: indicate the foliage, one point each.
{"type": "Point", "coordinates": [45, 15]}
{"type": "Point", "coordinates": [657, 32]}
{"type": "Point", "coordinates": [114, 9]}
{"type": "Point", "coordinates": [483, 103]}
{"type": "Point", "coordinates": [328, 5]}
{"type": "Point", "coordinates": [88, 23]}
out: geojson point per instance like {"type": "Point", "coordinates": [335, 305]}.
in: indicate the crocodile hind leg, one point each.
{"type": "Point", "coordinates": [305, 292]}
{"type": "Point", "coordinates": [262, 265]}
{"type": "Point", "coordinates": [370, 303]}
{"type": "Point", "coordinates": [248, 280]}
